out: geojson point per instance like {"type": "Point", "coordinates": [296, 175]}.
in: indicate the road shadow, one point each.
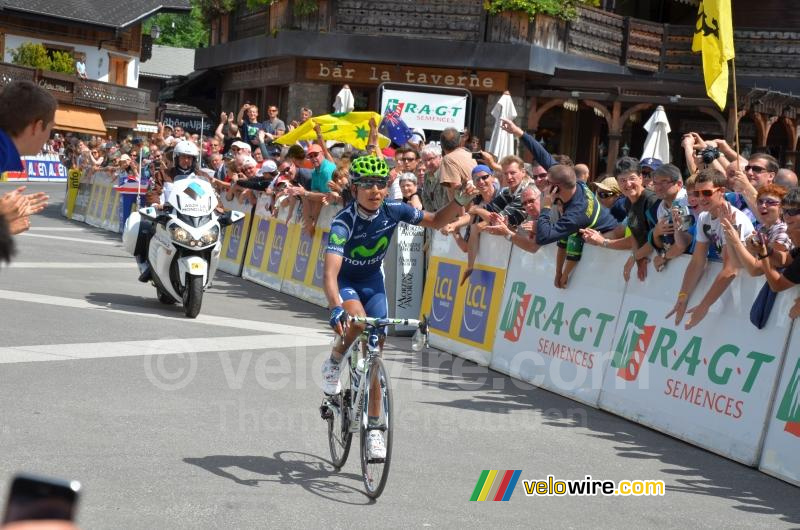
{"type": "Point", "coordinates": [314, 474]}
{"type": "Point", "coordinates": [696, 471]}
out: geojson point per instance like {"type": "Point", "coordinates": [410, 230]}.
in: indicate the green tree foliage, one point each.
{"type": "Point", "coordinates": [62, 62]}
{"type": "Point", "coordinates": [181, 30]}
{"type": "Point", "coordinates": [565, 9]}
{"type": "Point", "coordinates": [37, 56]}
{"type": "Point", "coordinates": [30, 54]}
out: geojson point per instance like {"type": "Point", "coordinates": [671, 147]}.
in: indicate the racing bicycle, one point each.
{"type": "Point", "coordinates": [346, 412]}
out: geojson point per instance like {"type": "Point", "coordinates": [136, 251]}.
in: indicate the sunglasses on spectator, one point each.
{"type": "Point", "coordinates": [791, 211]}
{"type": "Point", "coordinates": [284, 171]}
{"type": "Point", "coordinates": [768, 202]}
{"type": "Point", "coordinates": [485, 176]}
{"type": "Point", "coordinates": [704, 193]}
{"type": "Point", "coordinates": [606, 194]}
{"type": "Point", "coordinates": [408, 158]}
{"type": "Point", "coordinates": [368, 184]}
{"type": "Point", "coordinates": [755, 169]}
{"type": "Point", "coordinates": [312, 155]}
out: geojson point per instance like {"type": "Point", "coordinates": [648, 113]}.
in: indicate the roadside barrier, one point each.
{"type": "Point", "coordinates": [39, 168]}
{"type": "Point", "coordinates": [235, 236]}
{"type": "Point", "coordinates": [463, 318]}
{"type": "Point", "coordinates": [724, 385]}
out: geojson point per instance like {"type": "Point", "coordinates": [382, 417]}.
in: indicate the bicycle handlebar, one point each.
{"type": "Point", "coordinates": [381, 322]}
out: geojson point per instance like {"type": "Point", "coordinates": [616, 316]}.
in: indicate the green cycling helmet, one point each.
{"type": "Point", "coordinates": [369, 167]}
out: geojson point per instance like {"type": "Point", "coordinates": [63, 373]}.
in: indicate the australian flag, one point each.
{"type": "Point", "coordinates": [393, 126]}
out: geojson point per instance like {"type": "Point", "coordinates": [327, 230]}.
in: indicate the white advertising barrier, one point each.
{"type": "Point", "coordinates": [82, 197]}
{"type": "Point", "coordinates": [558, 339]}
{"type": "Point", "coordinates": [780, 455]}
{"type": "Point", "coordinates": [266, 256]}
{"type": "Point", "coordinates": [426, 110]}
{"type": "Point", "coordinates": [712, 385]}
{"type": "Point", "coordinates": [235, 236]}
{"type": "Point", "coordinates": [303, 273]}
{"type": "Point", "coordinates": [405, 270]}
{"type": "Point", "coordinates": [103, 208]}
{"type": "Point", "coordinates": [463, 318]}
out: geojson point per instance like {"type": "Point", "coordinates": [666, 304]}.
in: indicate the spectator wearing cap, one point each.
{"type": "Point", "coordinates": [579, 209]}
{"type": "Point", "coordinates": [709, 188]}
{"type": "Point", "coordinates": [262, 179]}
{"type": "Point", "coordinates": [648, 165]}
{"type": "Point", "coordinates": [670, 235]}
{"type": "Point", "coordinates": [408, 185]}
{"type": "Point", "coordinates": [610, 196]}
{"type": "Point", "coordinates": [488, 189]}
{"type": "Point", "coordinates": [505, 207]}
{"type": "Point", "coordinates": [638, 202]}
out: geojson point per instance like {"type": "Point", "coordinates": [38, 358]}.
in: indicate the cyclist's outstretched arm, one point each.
{"type": "Point", "coordinates": [442, 216]}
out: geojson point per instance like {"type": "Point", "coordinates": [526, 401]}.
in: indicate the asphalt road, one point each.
{"type": "Point", "coordinates": [213, 423]}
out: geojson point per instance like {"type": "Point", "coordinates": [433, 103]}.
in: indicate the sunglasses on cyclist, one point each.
{"type": "Point", "coordinates": [704, 193]}
{"type": "Point", "coordinates": [755, 169]}
{"type": "Point", "coordinates": [606, 194]}
{"type": "Point", "coordinates": [768, 202]}
{"type": "Point", "coordinates": [368, 184]}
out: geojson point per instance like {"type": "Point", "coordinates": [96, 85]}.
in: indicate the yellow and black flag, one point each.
{"type": "Point", "coordinates": [713, 36]}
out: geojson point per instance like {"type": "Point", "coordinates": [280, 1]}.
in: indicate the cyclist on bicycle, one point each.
{"type": "Point", "coordinates": [353, 280]}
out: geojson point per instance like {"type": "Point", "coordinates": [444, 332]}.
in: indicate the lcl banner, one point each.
{"type": "Point", "coordinates": [463, 315]}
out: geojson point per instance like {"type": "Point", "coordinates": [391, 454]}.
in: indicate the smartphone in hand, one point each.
{"type": "Point", "coordinates": [37, 498]}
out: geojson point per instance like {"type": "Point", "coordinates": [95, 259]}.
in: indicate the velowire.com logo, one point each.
{"type": "Point", "coordinates": [494, 485]}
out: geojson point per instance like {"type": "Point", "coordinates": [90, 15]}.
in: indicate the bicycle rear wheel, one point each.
{"type": "Point", "coordinates": [376, 471]}
{"type": "Point", "coordinates": [339, 435]}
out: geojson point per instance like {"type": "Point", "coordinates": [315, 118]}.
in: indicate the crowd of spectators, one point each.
{"type": "Point", "coordinates": [744, 213]}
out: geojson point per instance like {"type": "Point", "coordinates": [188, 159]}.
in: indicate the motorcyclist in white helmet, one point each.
{"type": "Point", "coordinates": [186, 161]}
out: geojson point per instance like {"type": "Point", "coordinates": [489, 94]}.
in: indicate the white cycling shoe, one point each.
{"type": "Point", "coordinates": [330, 377]}
{"type": "Point", "coordinates": [375, 446]}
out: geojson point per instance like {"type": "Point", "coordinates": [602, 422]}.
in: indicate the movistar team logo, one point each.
{"type": "Point", "coordinates": [364, 252]}
{"type": "Point", "coordinates": [336, 239]}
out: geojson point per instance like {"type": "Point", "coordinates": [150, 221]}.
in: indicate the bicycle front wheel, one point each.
{"type": "Point", "coordinates": [339, 435]}
{"type": "Point", "coordinates": [375, 470]}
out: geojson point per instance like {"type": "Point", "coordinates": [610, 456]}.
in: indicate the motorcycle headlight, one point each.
{"type": "Point", "coordinates": [210, 237]}
{"type": "Point", "coordinates": [179, 235]}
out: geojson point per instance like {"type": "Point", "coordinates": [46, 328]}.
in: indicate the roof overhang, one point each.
{"type": "Point", "coordinates": [43, 17]}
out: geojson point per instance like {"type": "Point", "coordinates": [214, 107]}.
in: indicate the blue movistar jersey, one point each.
{"type": "Point", "coordinates": [362, 243]}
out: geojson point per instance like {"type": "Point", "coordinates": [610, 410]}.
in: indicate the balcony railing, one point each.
{"type": "Point", "coordinates": [594, 33]}
{"type": "Point", "coordinates": [77, 91]}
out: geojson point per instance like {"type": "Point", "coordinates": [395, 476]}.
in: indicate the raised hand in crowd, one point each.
{"type": "Point", "coordinates": [511, 127]}
{"type": "Point", "coordinates": [16, 208]}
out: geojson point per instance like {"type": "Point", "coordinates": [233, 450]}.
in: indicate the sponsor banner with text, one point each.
{"type": "Point", "coordinates": [779, 456]}
{"type": "Point", "coordinates": [558, 338]}
{"type": "Point", "coordinates": [267, 249]}
{"type": "Point", "coordinates": [426, 110]}
{"type": "Point", "coordinates": [710, 385]}
{"type": "Point", "coordinates": [235, 237]}
{"type": "Point", "coordinates": [303, 275]}
{"type": "Point", "coordinates": [463, 317]}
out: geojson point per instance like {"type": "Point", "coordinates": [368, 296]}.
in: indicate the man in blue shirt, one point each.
{"type": "Point", "coordinates": [353, 278]}
{"type": "Point", "coordinates": [579, 209]}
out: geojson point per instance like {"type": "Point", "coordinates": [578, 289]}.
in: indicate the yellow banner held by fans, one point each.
{"type": "Point", "coordinates": [350, 128]}
{"type": "Point", "coordinates": [713, 37]}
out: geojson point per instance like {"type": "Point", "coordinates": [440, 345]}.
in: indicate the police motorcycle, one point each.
{"type": "Point", "coordinates": [184, 249]}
